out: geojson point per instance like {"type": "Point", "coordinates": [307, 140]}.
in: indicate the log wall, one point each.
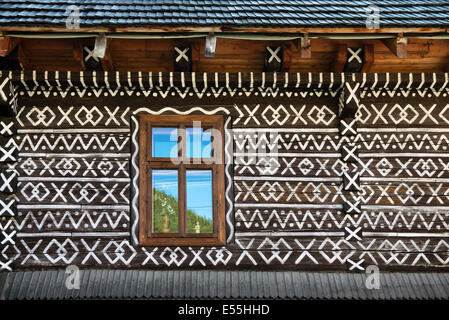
{"type": "Point", "coordinates": [353, 169]}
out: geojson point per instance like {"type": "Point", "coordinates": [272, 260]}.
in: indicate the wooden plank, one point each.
{"type": "Point", "coordinates": [340, 58]}
{"type": "Point", "coordinates": [7, 45]}
{"type": "Point", "coordinates": [397, 46]}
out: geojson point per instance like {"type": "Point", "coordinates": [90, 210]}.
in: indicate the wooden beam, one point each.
{"type": "Point", "coordinates": [287, 57]}
{"type": "Point", "coordinates": [397, 46]}
{"type": "Point", "coordinates": [23, 59]}
{"type": "Point", "coordinates": [8, 44]}
{"type": "Point", "coordinates": [107, 62]}
{"type": "Point", "coordinates": [78, 53]}
{"type": "Point", "coordinates": [304, 47]}
{"type": "Point", "coordinates": [340, 58]}
{"type": "Point", "coordinates": [195, 57]}
{"type": "Point", "coordinates": [368, 57]}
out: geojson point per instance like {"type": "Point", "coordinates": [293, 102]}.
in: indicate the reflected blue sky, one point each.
{"type": "Point", "coordinates": [198, 188]}
{"type": "Point", "coordinates": [166, 181]}
{"type": "Point", "coordinates": [199, 192]}
{"type": "Point", "coordinates": [165, 142]}
{"type": "Point", "coordinates": [198, 144]}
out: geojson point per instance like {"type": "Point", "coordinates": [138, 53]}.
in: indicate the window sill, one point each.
{"type": "Point", "coordinates": [181, 242]}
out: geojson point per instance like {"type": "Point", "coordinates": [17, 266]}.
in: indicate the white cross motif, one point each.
{"type": "Point", "coordinates": [352, 93]}
{"type": "Point", "coordinates": [6, 208]}
{"type": "Point", "coordinates": [351, 154]}
{"type": "Point", "coordinates": [90, 53]}
{"type": "Point", "coordinates": [355, 265]}
{"type": "Point", "coordinates": [7, 180]}
{"type": "Point", "coordinates": [182, 54]}
{"type": "Point", "coordinates": [8, 237]}
{"type": "Point", "coordinates": [348, 128]}
{"type": "Point", "coordinates": [6, 129]}
{"type": "Point", "coordinates": [274, 54]}
{"type": "Point", "coordinates": [355, 55]}
{"type": "Point", "coordinates": [353, 207]}
{"type": "Point", "coordinates": [353, 233]}
{"type": "Point", "coordinates": [351, 181]}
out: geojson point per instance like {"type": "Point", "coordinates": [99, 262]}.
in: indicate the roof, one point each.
{"type": "Point", "coordinates": [129, 284]}
{"type": "Point", "coordinates": [257, 13]}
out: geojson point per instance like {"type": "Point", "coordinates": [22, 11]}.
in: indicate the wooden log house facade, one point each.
{"type": "Point", "coordinates": [334, 147]}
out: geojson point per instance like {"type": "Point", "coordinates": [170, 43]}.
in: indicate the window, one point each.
{"type": "Point", "coordinates": [181, 180]}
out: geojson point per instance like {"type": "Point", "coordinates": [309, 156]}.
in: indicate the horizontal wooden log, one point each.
{"type": "Point", "coordinates": [106, 220]}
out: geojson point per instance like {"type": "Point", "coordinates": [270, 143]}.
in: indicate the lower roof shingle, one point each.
{"type": "Point", "coordinates": [194, 284]}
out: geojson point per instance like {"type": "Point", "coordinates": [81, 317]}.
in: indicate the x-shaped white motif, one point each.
{"type": "Point", "coordinates": [112, 116]}
{"type": "Point", "coordinates": [355, 55]}
{"type": "Point", "coordinates": [348, 128]}
{"type": "Point", "coordinates": [355, 265]}
{"type": "Point", "coordinates": [353, 207]}
{"type": "Point", "coordinates": [351, 181]}
{"type": "Point", "coordinates": [90, 54]}
{"type": "Point", "coordinates": [379, 113]}
{"type": "Point", "coordinates": [6, 207]}
{"type": "Point", "coordinates": [427, 113]}
{"type": "Point", "coordinates": [196, 256]}
{"type": "Point", "coordinates": [274, 54]}
{"type": "Point", "coordinates": [404, 167]}
{"type": "Point", "coordinates": [5, 265]}
{"type": "Point", "coordinates": [7, 128]}
{"type": "Point", "coordinates": [8, 237]}
{"type": "Point", "coordinates": [31, 251]}
{"type": "Point", "coordinates": [384, 194]}
{"type": "Point", "coordinates": [7, 154]}
{"type": "Point", "coordinates": [182, 54]}
{"type": "Point", "coordinates": [109, 193]}
{"type": "Point", "coordinates": [6, 182]}
{"type": "Point", "coordinates": [65, 116]}
{"type": "Point", "coordinates": [352, 93]}
{"type": "Point", "coordinates": [350, 153]}
{"type": "Point", "coordinates": [353, 234]}
{"type": "Point", "coordinates": [323, 167]}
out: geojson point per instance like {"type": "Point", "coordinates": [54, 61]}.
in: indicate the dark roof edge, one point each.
{"type": "Point", "coordinates": [230, 28]}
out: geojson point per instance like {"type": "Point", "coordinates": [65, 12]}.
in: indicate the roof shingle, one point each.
{"type": "Point", "coordinates": [261, 13]}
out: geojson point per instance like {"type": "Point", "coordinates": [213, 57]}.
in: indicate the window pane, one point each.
{"type": "Point", "coordinates": [199, 143]}
{"type": "Point", "coordinates": [165, 142]}
{"type": "Point", "coordinates": [165, 201]}
{"type": "Point", "coordinates": [199, 201]}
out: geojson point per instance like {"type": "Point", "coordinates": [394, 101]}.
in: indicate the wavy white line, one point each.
{"type": "Point", "coordinates": [135, 211]}
{"type": "Point", "coordinates": [181, 112]}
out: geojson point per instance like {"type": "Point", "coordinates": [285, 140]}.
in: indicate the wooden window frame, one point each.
{"type": "Point", "coordinates": [147, 163]}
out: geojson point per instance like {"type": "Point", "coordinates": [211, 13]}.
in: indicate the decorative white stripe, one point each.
{"type": "Point", "coordinates": [271, 178]}
{"type": "Point", "coordinates": [76, 155]}
{"type": "Point", "coordinates": [413, 155]}
{"type": "Point", "coordinates": [405, 234]}
{"type": "Point", "coordinates": [135, 213]}
{"type": "Point", "coordinates": [275, 154]}
{"type": "Point", "coordinates": [72, 234]}
{"type": "Point", "coordinates": [439, 129]}
{"type": "Point", "coordinates": [78, 179]}
{"type": "Point", "coordinates": [72, 206]}
{"type": "Point", "coordinates": [402, 208]}
{"type": "Point", "coordinates": [73, 130]}
{"type": "Point", "coordinates": [296, 130]}
{"type": "Point", "coordinates": [290, 234]}
{"type": "Point", "coordinates": [170, 109]}
{"type": "Point", "coordinates": [228, 157]}
{"type": "Point", "coordinates": [289, 205]}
